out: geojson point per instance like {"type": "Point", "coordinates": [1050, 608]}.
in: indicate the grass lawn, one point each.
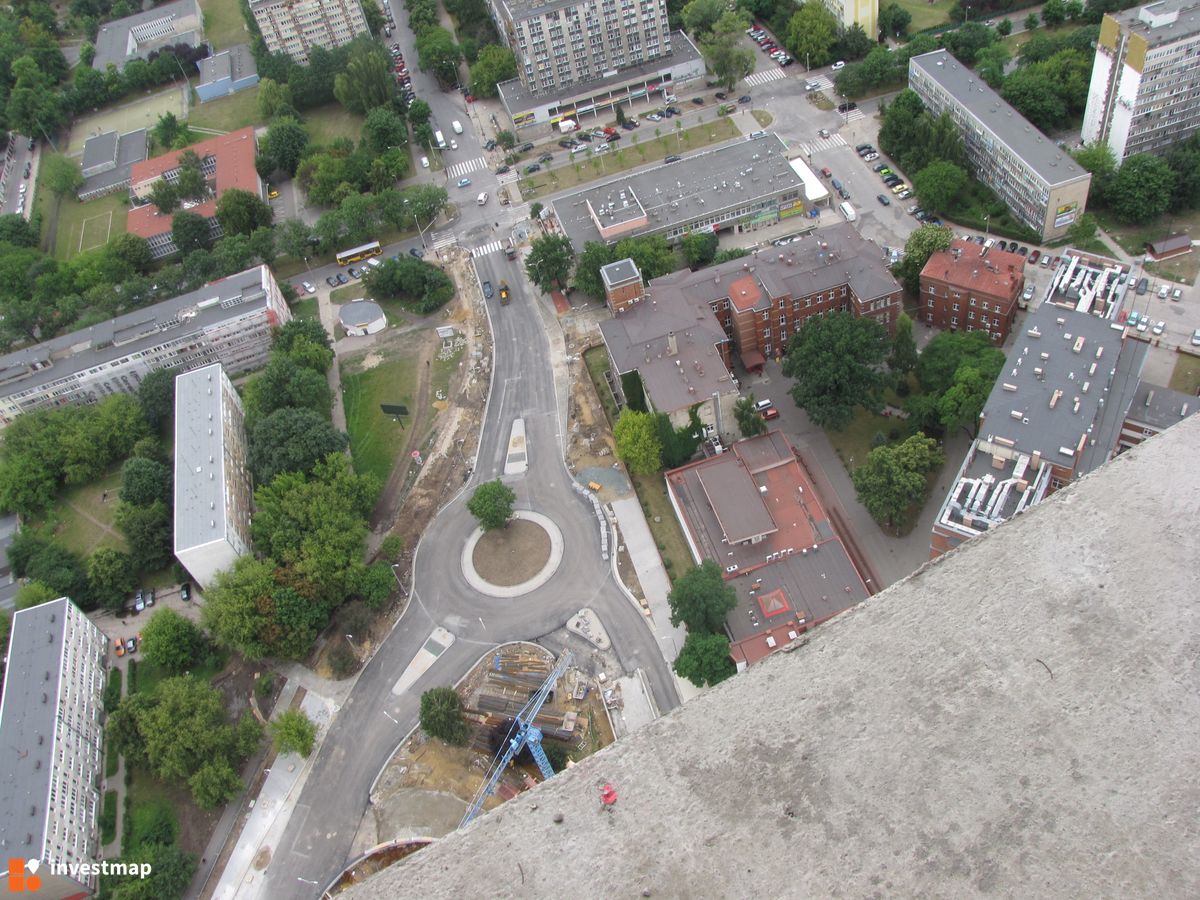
{"type": "Point", "coordinates": [1014, 41]}
{"type": "Point", "coordinates": [1186, 377]}
{"type": "Point", "coordinates": [331, 121]}
{"type": "Point", "coordinates": [442, 370]}
{"type": "Point", "coordinates": [925, 14]}
{"type": "Point", "coordinates": [149, 675]}
{"type": "Point", "coordinates": [108, 818]}
{"type": "Point", "coordinates": [597, 364]}
{"type": "Point", "coordinates": [353, 291]}
{"type": "Point", "coordinates": [228, 113]}
{"type": "Point", "coordinates": [83, 521]}
{"type": "Point", "coordinates": [306, 308]}
{"type": "Point", "coordinates": [762, 117]}
{"type": "Point", "coordinates": [854, 442]}
{"type": "Point", "coordinates": [652, 492]}
{"type": "Point", "coordinates": [85, 226]}
{"type": "Point", "coordinates": [650, 148]}
{"type": "Point", "coordinates": [112, 759]}
{"type": "Point", "coordinates": [375, 437]}
{"type": "Point", "coordinates": [223, 24]}
{"type": "Point", "coordinates": [1133, 240]}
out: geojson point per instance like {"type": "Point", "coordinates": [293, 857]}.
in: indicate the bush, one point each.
{"type": "Point", "coordinates": [879, 439]}
{"type": "Point", "coordinates": [264, 685]}
{"type": "Point", "coordinates": [112, 690]}
{"type": "Point", "coordinates": [342, 661]}
{"type": "Point", "coordinates": [108, 818]}
{"type": "Point", "coordinates": [442, 715]}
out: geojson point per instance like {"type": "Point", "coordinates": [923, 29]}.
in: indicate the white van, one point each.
{"type": "Point", "coordinates": [457, 126]}
{"type": "Point", "coordinates": [439, 141]}
{"type": "Point", "coordinates": [762, 405]}
{"type": "Point", "coordinates": [481, 200]}
{"type": "Point", "coordinates": [848, 211]}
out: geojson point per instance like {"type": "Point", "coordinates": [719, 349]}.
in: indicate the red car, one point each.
{"type": "Point", "coordinates": [827, 172]}
{"type": "Point", "coordinates": [770, 413]}
{"type": "Point", "coordinates": [1033, 256]}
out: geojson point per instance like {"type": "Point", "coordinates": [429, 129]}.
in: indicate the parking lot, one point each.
{"type": "Point", "coordinates": [127, 623]}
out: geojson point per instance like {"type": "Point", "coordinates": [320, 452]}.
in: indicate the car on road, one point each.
{"type": "Point", "coordinates": [722, 96]}
{"type": "Point", "coordinates": [453, 144]}
{"type": "Point", "coordinates": [770, 413]}
{"type": "Point", "coordinates": [185, 591]}
{"type": "Point", "coordinates": [416, 252]}
{"type": "Point", "coordinates": [568, 144]}
{"type": "Point", "coordinates": [838, 66]}
{"type": "Point", "coordinates": [824, 132]}
{"type": "Point", "coordinates": [1034, 257]}
{"type": "Point", "coordinates": [745, 98]}
{"type": "Point", "coordinates": [525, 148]}
{"type": "Point", "coordinates": [332, 281]}
{"type": "Point", "coordinates": [309, 287]}
{"type": "Point", "coordinates": [846, 107]}
{"type": "Point", "coordinates": [500, 170]}
{"type": "Point", "coordinates": [546, 157]}
{"type": "Point", "coordinates": [488, 290]}
{"type": "Point", "coordinates": [1196, 338]}
{"type": "Point", "coordinates": [341, 278]}
{"type": "Point", "coordinates": [699, 101]}
{"type": "Point", "coordinates": [1159, 327]}
{"type": "Point", "coordinates": [672, 159]}
{"type": "Point", "coordinates": [355, 272]}
{"type": "Point", "coordinates": [532, 167]}
{"type": "Point", "coordinates": [883, 200]}
{"type": "Point", "coordinates": [464, 182]}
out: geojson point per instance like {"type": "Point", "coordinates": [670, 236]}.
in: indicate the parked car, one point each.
{"type": "Point", "coordinates": [770, 413]}
{"type": "Point", "coordinates": [545, 157]}
{"type": "Point", "coordinates": [416, 252]}
{"type": "Point", "coordinates": [332, 281]}
{"type": "Point", "coordinates": [488, 291]}
{"type": "Point", "coordinates": [1196, 338]}
{"type": "Point", "coordinates": [342, 278]}
{"type": "Point", "coordinates": [655, 117]}
{"type": "Point", "coordinates": [1034, 257]}
{"type": "Point", "coordinates": [883, 200]}
{"type": "Point", "coordinates": [745, 98]}
{"type": "Point", "coordinates": [699, 101]}
{"type": "Point", "coordinates": [1022, 250]}
{"type": "Point", "coordinates": [899, 188]}
{"type": "Point", "coordinates": [827, 172]}
{"type": "Point", "coordinates": [1176, 294]}
{"type": "Point", "coordinates": [1163, 291]}
{"type": "Point", "coordinates": [904, 194]}
{"type": "Point", "coordinates": [837, 66]}
{"type": "Point", "coordinates": [309, 287]}
{"type": "Point", "coordinates": [722, 96]}
{"type": "Point", "coordinates": [1143, 286]}
{"type": "Point", "coordinates": [500, 170]}
{"type": "Point", "coordinates": [131, 645]}
{"type": "Point", "coordinates": [355, 272]}
{"type": "Point", "coordinates": [823, 132]}
{"type": "Point", "coordinates": [185, 591]}
{"type": "Point", "coordinates": [871, 157]}
{"type": "Point", "coordinates": [532, 167]}
{"type": "Point", "coordinates": [119, 647]}
{"type": "Point", "coordinates": [629, 124]}
{"type": "Point", "coordinates": [525, 148]}
{"type": "Point", "coordinates": [489, 144]}
{"type": "Point", "coordinates": [882, 169]}
{"type": "Point", "coordinates": [1159, 327]}
{"type": "Point", "coordinates": [672, 159]}
{"type": "Point", "coordinates": [846, 107]}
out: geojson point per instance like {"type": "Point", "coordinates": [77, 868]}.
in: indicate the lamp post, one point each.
{"type": "Point", "coordinates": [987, 224]}
{"type": "Point", "coordinates": [417, 221]}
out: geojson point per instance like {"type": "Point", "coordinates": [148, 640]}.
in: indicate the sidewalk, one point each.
{"type": "Point", "coordinates": [329, 320]}
{"type": "Point", "coordinates": [643, 553]}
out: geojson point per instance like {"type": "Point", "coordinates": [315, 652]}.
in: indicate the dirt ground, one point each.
{"type": "Point", "coordinates": [512, 554]}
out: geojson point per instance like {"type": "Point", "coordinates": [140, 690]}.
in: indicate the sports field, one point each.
{"type": "Point", "coordinates": [86, 226]}
{"type": "Point", "coordinates": [141, 112]}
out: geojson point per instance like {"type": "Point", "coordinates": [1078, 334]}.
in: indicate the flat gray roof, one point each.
{"type": "Point", "coordinates": [735, 502]}
{"type": "Point", "coordinates": [701, 183]}
{"type": "Point", "coordinates": [113, 38]}
{"type": "Point", "coordinates": [33, 671]}
{"type": "Point", "coordinates": [1160, 407]}
{"type": "Point", "coordinates": [623, 271]}
{"type": "Point", "coordinates": [138, 330]}
{"type": "Point", "coordinates": [235, 63]}
{"type": "Point", "coordinates": [200, 476]}
{"type": "Point", "coordinates": [1161, 23]}
{"type": "Point", "coordinates": [1006, 125]}
{"type": "Point", "coordinates": [359, 312]}
{"type": "Point", "coordinates": [131, 148]}
{"type": "Point", "coordinates": [516, 96]}
{"type": "Point", "coordinates": [100, 149]}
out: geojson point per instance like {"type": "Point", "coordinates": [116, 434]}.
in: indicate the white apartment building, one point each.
{"type": "Point", "coordinates": [856, 12]}
{"type": "Point", "coordinates": [213, 495]}
{"type": "Point", "coordinates": [295, 26]}
{"type": "Point", "coordinates": [1144, 96]}
{"type": "Point", "coordinates": [228, 321]}
{"type": "Point", "coordinates": [50, 728]}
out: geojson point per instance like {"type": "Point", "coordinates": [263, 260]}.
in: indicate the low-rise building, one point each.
{"type": "Point", "coordinates": [294, 27]}
{"type": "Point", "coordinates": [227, 162]}
{"type": "Point", "coordinates": [134, 37]}
{"type": "Point", "coordinates": [1043, 187]}
{"type": "Point", "coordinates": [754, 511]}
{"type": "Point", "coordinates": [1154, 409]}
{"type": "Point", "coordinates": [971, 288]}
{"type": "Point", "coordinates": [213, 494]}
{"type": "Point", "coordinates": [108, 161]}
{"type": "Point", "coordinates": [226, 73]}
{"type": "Point", "coordinates": [228, 321]}
{"type": "Point", "coordinates": [739, 187]}
{"type": "Point", "coordinates": [50, 726]}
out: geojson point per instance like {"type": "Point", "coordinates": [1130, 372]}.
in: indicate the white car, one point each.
{"type": "Point", "coordinates": [453, 144]}
{"type": "Point", "coordinates": [1196, 338]}
{"type": "Point", "coordinates": [1162, 291]}
{"type": "Point", "coordinates": [1159, 327]}
{"type": "Point", "coordinates": [309, 287]}
{"type": "Point", "coordinates": [24, 187]}
{"type": "Point", "coordinates": [464, 182]}
{"type": "Point", "coordinates": [424, 162]}
{"type": "Point", "coordinates": [838, 65]}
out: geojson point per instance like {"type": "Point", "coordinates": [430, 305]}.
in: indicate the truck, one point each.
{"type": "Point", "coordinates": [566, 126]}
{"type": "Point", "coordinates": [510, 251]}
{"type": "Point", "coordinates": [504, 293]}
{"type": "Point", "coordinates": [439, 140]}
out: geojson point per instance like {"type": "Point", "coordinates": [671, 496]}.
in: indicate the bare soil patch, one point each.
{"type": "Point", "coordinates": [513, 554]}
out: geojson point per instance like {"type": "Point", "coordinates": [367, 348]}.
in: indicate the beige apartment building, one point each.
{"type": "Point", "coordinates": [296, 26]}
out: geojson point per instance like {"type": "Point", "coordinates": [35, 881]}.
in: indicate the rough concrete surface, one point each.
{"type": "Point", "coordinates": [1020, 718]}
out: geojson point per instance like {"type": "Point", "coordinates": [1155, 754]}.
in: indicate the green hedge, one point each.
{"type": "Point", "coordinates": [108, 819]}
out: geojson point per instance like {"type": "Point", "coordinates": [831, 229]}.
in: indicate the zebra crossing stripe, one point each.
{"type": "Point", "coordinates": [486, 249]}
{"type": "Point", "coordinates": [764, 77]}
{"type": "Point", "coordinates": [459, 169]}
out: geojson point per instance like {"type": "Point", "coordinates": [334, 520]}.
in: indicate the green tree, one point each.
{"type": "Point", "coordinates": [962, 402]}
{"type": "Point", "coordinates": [699, 248]}
{"type": "Point", "coordinates": [214, 784]}
{"type": "Point", "coordinates": [1083, 230]}
{"type": "Point", "coordinates": [704, 659]}
{"type": "Point", "coordinates": [420, 286]}
{"type": "Point", "coordinates": [549, 262]}
{"type": "Point", "coordinates": [894, 20]}
{"type": "Point", "coordinates": [921, 244]}
{"type": "Point", "coordinates": [967, 40]}
{"type": "Point", "coordinates": [1141, 189]}
{"type": "Point", "coordinates": [171, 642]}
{"type": "Point", "coordinates": [496, 64]}
{"type": "Point", "coordinates": [750, 422]}
{"type": "Point", "coordinates": [595, 256]}
{"type": "Point", "coordinates": [241, 212]}
{"type": "Point", "coordinates": [701, 599]}
{"type": "Point", "coordinates": [811, 34]}
{"type": "Point", "coordinates": [492, 504]}
{"type": "Point", "coordinates": [939, 185]}
{"type": "Point", "coordinates": [835, 361]}
{"type": "Point", "coordinates": [1053, 13]}
{"type": "Point", "coordinates": [190, 232]}
{"type": "Point", "coordinates": [34, 105]}
{"type": "Point", "coordinates": [384, 129]}
{"type": "Point", "coordinates": [34, 593]}
{"type": "Point", "coordinates": [442, 716]}
{"type": "Point", "coordinates": [854, 43]}
{"type": "Point", "coordinates": [723, 52]}
{"type": "Point", "coordinates": [285, 383]}
{"type": "Point", "coordinates": [1004, 27]}
{"type": "Point", "coordinates": [699, 16]}
{"type": "Point", "coordinates": [650, 253]}
{"type": "Point", "coordinates": [990, 63]}
{"type": "Point", "coordinates": [170, 866]}
{"type": "Point", "coordinates": [895, 477]}
{"type": "Point", "coordinates": [437, 53]}
{"type": "Point", "coordinates": [283, 146]}
{"type": "Point", "coordinates": [61, 175]}
{"type": "Point", "coordinates": [164, 196]}
{"type": "Point", "coordinates": [156, 396]}
{"type": "Point", "coordinates": [147, 530]}
{"type": "Point", "coordinates": [293, 732]}
{"type": "Point", "coordinates": [273, 99]}
{"type": "Point", "coordinates": [144, 481]}
{"type": "Point", "coordinates": [237, 608]}
{"type": "Point", "coordinates": [1034, 93]}
{"type": "Point", "coordinates": [1031, 21]}
{"type": "Point", "coordinates": [638, 444]}
{"type": "Point", "coordinates": [949, 351]}
{"type": "Point", "coordinates": [366, 82]}
{"type": "Point", "coordinates": [1098, 159]}
{"type": "Point", "coordinates": [292, 440]}
{"type": "Point", "coordinates": [294, 238]}
{"type": "Point", "coordinates": [111, 576]}
{"type": "Point", "coordinates": [903, 358]}
{"type": "Point", "coordinates": [506, 139]}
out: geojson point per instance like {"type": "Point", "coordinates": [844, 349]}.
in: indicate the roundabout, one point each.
{"type": "Point", "coordinates": [514, 560]}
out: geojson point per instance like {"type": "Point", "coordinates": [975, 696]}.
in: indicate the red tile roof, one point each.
{"type": "Point", "coordinates": [998, 274]}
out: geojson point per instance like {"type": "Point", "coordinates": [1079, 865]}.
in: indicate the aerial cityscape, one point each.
{"type": "Point", "coordinates": [599, 448]}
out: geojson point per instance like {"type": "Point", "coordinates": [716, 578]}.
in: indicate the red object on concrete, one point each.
{"type": "Point", "coordinates": [608, 795]}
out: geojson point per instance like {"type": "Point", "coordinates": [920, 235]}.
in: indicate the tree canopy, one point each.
{"type": "Point", "coordinates": [835, 361]}
{"type": "Point", "coordinates": [292, 440]}
{"type": "Point", "coordinates": [293, 732]}
{"type": "Point", "coordinates": [240, 212]}
{"type": "Point", "coordinates": [726, 56]}
{"type": "Point", "coordinates": [442, 717]}
{"type": "Point", "coordinates": [895, 476]}
{"type": "Point", "coordinates": [701, 599]}
{"type": "Point", "coordinates": [495, 64]}
{"type": "Point", "coordinates": [172, 642]}
{"type": "Point", "coordinates": [750, 421]}
{"type": "Point", "coordinates": [638, 444]}
{"type": "Point", "coordinates": [704, 659]}
{"type": "Point", "coordinates": [492, 504]}
{"type": "Point", "coordinates": [548, 264]}
{"type": "Point", "coordinates": [421, 287]}
{"type": "Point", "coordinates": [811, 34]}
{"type": "Point", "coordinates": [367, 81]}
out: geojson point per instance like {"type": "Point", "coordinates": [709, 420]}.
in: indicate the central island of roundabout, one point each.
{"type": "Point", "coordinates": [514, 560]}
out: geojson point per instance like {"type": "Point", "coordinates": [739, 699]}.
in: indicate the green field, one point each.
{"type": "Point", "coordinates": [376, 438]}
{"type": "Point", "coordinates": [228, 113]}
{"type": "Point", "coordinates": [1014, 41]}
{"type": "Point", "coordinates": [86, 226]}
{"type": "Point", "coordinates": [925, 14]}
{"type": "Point", "coordinates": [326, 123]}
{"type": "Point", "coordinates": [224, 25]}
{"type": "Point", "coordinates": [306, 308]}
{"type": "Point", "coordinates": [83, 519]}
{"type": "Point", "coordinates": [652, 492]}
{"type": "Point", "coordinates": [1186, 377]}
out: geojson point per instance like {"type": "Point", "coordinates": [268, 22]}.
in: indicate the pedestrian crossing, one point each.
{"type": "Point", "coordinates": [829, 143]}
{"type": "Point", "coordinates": [822, 82]}
{"type": "Point", "coordinates": [763, 77]}
{"type": "Point", "coordinates": [855, 115]}
{"type": "Point", "coordinates": [438, 241]}
{"type": "Point", "coordinates": [486, 249]}
{"type": "Point", "coordinates": [460, 169]}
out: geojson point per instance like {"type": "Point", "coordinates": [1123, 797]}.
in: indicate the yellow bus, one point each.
{"type": "Point", "coordinates": [354, 254]}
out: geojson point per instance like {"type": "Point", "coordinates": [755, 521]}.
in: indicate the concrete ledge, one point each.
{"type": "Point", "coordinates": [1020, 718]}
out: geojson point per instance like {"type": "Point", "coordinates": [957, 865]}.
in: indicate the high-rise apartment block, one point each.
{"type": "Point", "coordinates": [1040, 183]}
{"type": "Point", "coordinates": [50, 728]}
{"type": "Point", "coordinates": [228, 321]}
{"type": "Point", "coordinates": [294, 27]}
{"type": "Point", "coordinates": [213, 496]}
{"type": "Point", "coordinates": [1145, 83]}
{"type": "Point", "coordinates": [856, 12]}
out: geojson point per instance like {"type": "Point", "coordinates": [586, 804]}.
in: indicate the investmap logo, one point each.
{"type": "Point", "coordinates": [23, 877]}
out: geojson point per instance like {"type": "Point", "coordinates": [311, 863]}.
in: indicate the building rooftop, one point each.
{"type": "Point", "coordinates": [134, 331]}
{"type": "Point", "coordinates": [235, 63]}
{"type": "Point", "coordinates": [133, 37]}
{"type": "Point", "coordinates": [359, 312]}
{"type": "Point", "coordinates": [200, 476]}
{"type": "Point", "coordinates": [516, 96]}
{"type": "Point", "coordinates": [233, 156]}
{"type": "Point", "coordinates": [1162, 23]}
{"type": "Point", "coordinates": [99, 149]}
{"type": "Point", "coordinates": [1160, 407]}
{"type": "Point", "coordinates": [623, 271]}
{"type": "Point", "coordinates": [1022, 712]}
{"type": "Point", "coordinates": [701, 183]}
{"type": "Point", "coordinates": [968, 266]}
{"type": "Point", "coordinates": [1173, 245]}
{"type": "Point", "coordinates": [1006, 125]}
{"type": "Point", "coordinates": [28, 714]}
{"type": "Point", "coordinates": [124, 150]}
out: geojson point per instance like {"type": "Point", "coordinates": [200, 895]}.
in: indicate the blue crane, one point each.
{"type": "Point", "coordinates": [522, 734]}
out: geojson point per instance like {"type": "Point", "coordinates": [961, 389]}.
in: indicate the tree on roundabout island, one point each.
{"type": "Point", "coordinates": [492, 504]}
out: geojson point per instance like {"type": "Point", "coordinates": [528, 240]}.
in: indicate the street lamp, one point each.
{"type": "Point", "coordinates": [417, 221]}
{"type": "Point", "coordinates": [986, 224]}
